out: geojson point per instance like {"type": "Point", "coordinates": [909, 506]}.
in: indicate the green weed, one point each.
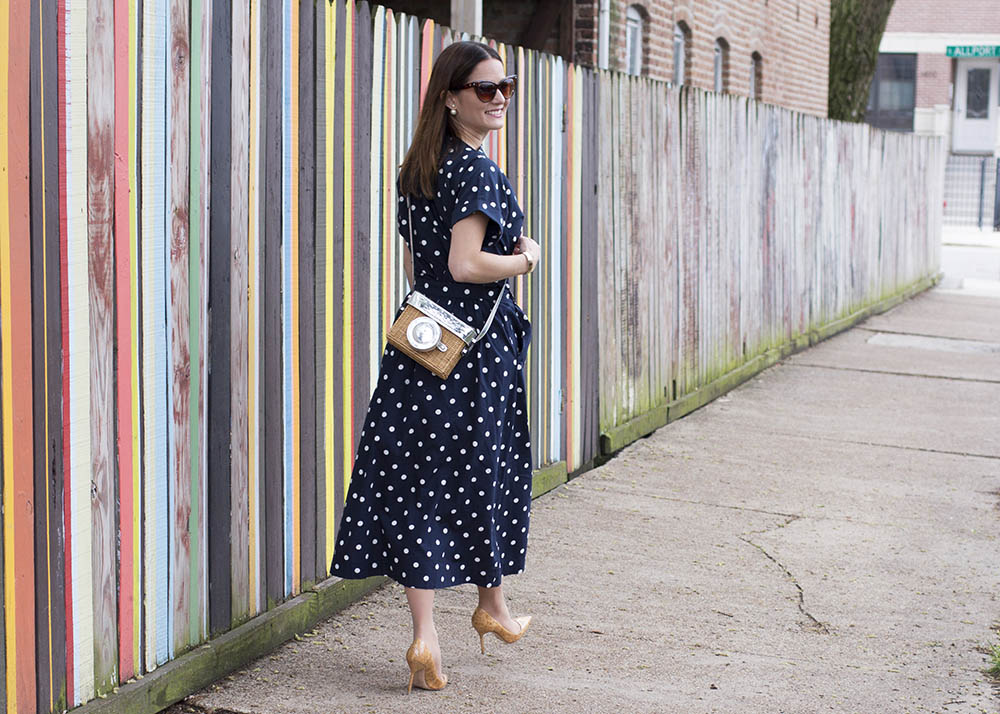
{"type": "Point", "coordinates": [993, 652]}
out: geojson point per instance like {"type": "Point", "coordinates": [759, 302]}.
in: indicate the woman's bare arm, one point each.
{"type": "Point", "coordinates": [469, 263]}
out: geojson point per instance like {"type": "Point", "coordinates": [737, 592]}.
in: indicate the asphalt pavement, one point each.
{"type": "Point", "coordinates": [824, 538]}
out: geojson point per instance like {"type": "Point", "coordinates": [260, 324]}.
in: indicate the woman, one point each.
{"type": "Point", "coordinates": [441, 489]}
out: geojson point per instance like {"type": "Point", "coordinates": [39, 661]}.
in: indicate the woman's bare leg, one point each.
{"type": "Point", "coordinates": [492, 600]}
{"type": "Point", "coordinates": [421, 602]}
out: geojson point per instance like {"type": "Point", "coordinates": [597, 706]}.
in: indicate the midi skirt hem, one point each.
{"type": "Point", "coordinates": [410, 583]}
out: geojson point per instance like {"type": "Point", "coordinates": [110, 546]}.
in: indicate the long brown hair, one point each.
{"type": "Point", "coordinates": [418, 174]}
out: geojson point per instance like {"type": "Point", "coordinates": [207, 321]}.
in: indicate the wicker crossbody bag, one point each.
{"type": "Point", "coordinates": [428, 333]}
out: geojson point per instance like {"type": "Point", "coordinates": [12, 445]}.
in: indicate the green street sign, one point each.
{"type": "Point", "coordinates": [974, 50]}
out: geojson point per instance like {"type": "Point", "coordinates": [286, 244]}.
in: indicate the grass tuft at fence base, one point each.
{"type": "Point", "coordinates": [621, 436]}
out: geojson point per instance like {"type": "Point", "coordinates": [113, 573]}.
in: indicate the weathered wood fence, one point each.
{"type": "Point", "coordinates": [199, 263]}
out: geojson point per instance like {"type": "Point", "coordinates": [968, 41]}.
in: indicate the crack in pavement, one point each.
{"type": "Point", "coordinates": [888, 371]}
{"type": "Point", "coordinates": [859, 442]}
{"type": "Point", "coordinates": [917, 334]}
{"type": "Point", "coordinates": [814, 624]}
{"type": "Point", "coordinates": [747, 509]}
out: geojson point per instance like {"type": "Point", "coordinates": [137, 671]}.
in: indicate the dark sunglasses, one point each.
{"type": "Point", "coordinates": [487, 90]}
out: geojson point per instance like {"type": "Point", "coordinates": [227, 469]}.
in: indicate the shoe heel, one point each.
{"type": "Point", "coordinates": [482, 645]}
{"type": "Point", "coordinates": [419, 658]}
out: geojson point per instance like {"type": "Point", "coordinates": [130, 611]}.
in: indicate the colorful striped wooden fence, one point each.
{"type": "Point", "coordinates": [199, 263]}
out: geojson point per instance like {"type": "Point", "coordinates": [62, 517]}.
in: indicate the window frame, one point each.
{"type": "Point", "coordinates": [888, 67]}
{"type": "Point", "coordinates": [681, 41]}
{"type": "Point", "coordinates": [720, 66]}
{"type": "Point", "coordinates": [634, 38]}
{"type": "Point", "coordinates": [756, 76]}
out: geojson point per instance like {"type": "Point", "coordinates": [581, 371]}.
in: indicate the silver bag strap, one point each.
{"type": "Point", "coordinates": [493, 313]}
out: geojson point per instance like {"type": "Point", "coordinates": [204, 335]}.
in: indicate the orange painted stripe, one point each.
{"type": "Point", "coordinates": [426, 57]}
{"type": "Point", "coordinates": [15, 304]}
{"type": "Point", "coordinates": [123, 237]}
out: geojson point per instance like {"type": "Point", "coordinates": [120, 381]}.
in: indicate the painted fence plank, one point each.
{"type": "Point", "coordinates": [199, 209]}
{"type": "Point", "coordinates": [338, 264]}
{"type": "Point", "coordinates": [289, 294]}
{"type": "Point", "coordinates": [178, 322]}
{"type": "Point", "coordinates": [16, 355]}
{"type": "Point", "coordinates": [362, 226]}
{"type": "Point", "coordinates": [255, 453]}
{"type": "Point", "coordinates": [239, 226]}
{"type": "Point", "coordinates": [306, 405]}
{"type": "Point", "coordinates": [126, 335]}
{"type": "Point", "coordinates": [48, 477]}
{"type": "Point", "coordinates": [100, 232]}
{"type": "Point", "coordinates": [321, 564]}
{"type": "Point", "coordinates": [224, 440]}
{"type": "Point", "coordinates": [272, 423]}
{"type": "Point", "coordinates": [154, 339]}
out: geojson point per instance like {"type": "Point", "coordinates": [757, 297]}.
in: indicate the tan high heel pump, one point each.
{"type": "Point", "coordinates": [484, 622]}
{"type": "Point", "coordinates": [419, 657]}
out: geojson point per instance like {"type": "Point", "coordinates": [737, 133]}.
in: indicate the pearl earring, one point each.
{"type": "Point", "coordinates": [454, 111]}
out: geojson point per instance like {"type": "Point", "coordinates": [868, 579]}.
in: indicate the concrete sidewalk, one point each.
{"type": "Point", "coordinates": [823, 538]}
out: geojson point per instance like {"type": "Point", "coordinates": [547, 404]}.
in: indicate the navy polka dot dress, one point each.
{"type": "Point", "coordinates": [440, 494]}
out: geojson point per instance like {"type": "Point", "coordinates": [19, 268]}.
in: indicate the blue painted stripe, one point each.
{"type": "Point", "coordinates": [155, 320]}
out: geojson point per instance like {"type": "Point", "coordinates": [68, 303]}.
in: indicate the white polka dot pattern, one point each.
{"type": "Point", "coordinates": [440, 494]}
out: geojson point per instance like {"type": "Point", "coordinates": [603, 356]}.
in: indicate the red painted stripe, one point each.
{"type": "Point", "coordinates": [123, 238]}
{"type": "Point", "coordinates": [426, 57]}
{"type": "Point", "coordinates": [64, 307]}
{"type": "Point", "coordinates": [23, 618]}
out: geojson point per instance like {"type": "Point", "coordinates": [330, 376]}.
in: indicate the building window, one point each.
{"type": "Point", "coordinates": [977, 94]}
{"type": "Point", "coordinates": [633, 40]}
{"type": "Point", "coordinates": [756, 75]}
{"type": "Point", "coordinates": [892, 96]}
{"type": "Point", "coordinates": [682, 54]}
{"type": "Point", "coordinates": [721, 68]}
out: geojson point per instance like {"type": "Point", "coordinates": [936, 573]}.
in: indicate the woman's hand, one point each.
{"type": "Point", "coordinates": [530, 248]}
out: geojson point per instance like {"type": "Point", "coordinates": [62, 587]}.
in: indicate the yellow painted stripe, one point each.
{"type": "Point", "coordinates": [331, 35]}
{"type": "Point", "coordinates": [10, 602]}
{"type": "Point", "coordinates": [133, 181]}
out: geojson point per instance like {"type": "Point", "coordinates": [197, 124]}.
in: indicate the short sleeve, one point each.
{"type": "Point", "coordinates": [477, 190]}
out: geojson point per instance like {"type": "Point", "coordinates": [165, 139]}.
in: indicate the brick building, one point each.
{"type": "Point", "coordinates": [939, 73]}
{"type": "Point", "coordinates": [774, 50]}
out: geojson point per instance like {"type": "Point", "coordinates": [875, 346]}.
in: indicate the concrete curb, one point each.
{"type": "Point", "coordinates": [621, 436]}
{"type": "Point", "coordinates": [228, 652]}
